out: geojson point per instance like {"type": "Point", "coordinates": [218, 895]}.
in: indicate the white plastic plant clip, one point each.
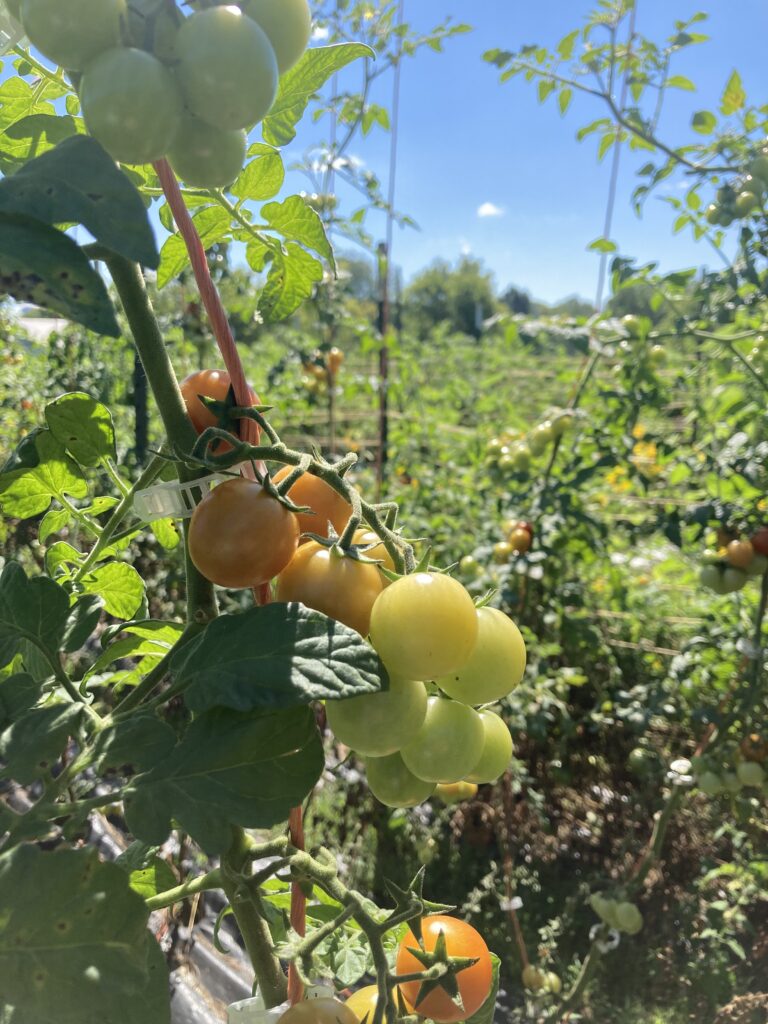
{"type": "Point", "coordinates": [253, 1011]}
{"type": "Point", "coordinates": [173, 499]}
{"type": "Point", "coordinates": [11, 32]}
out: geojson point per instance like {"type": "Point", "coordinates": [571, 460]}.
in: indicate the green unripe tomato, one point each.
{"type": "Point", "coordinates": [541, 437]}
{"type": "Point", "coordinates": [710, 557]}
{"type": "Point", "coordinates": [640, 761]}
{"type": "Point", "coordinates": [758, 565]}
{"type": "Point", "coordinates": [733, 580]}
{"type": "Point", "coordinates": [288, 25]}
{"type": "Point", "coordinates": [726, 218]}
{"type": "Point", "coordinates": [713, 213]}
{"type": "Point", "coordinates": [533, 978]}
{"type": "Point", "coordinates": [710, 577]}
{"type": "Point", "coordinates": [131, 104]}
{"type": "Point", "coordinates": [750, 773]}
{"type": "Point", "coordinates": [72, 32]}
{"type": "Point", "coordinates": [521, 456]}
{"type": "Point", "coordinates": [393, 784]}
{"type": "Point", "coordinates": [379, 724]}
{"type": "Point", "coordinates": [731, 782]}
{"type": "Point", "coordinates": [657, 355]}
{"type": "Point", "coordinates": [205, 156]}
{"type": "Point", "coordinates": [758, 168]}
{"type": "Point", "coordinates": [497, 750]}
{"type": "Point", "coordinates": [470, 567]}
{"type": "Point", "coordinates": [553, 983]}
{"type": "Point", "coordinates": [226, 67]}
{"type": "Point", "coordinates": [629, 918]}
{"type": "Point", "coordinates": [494, 447]}
{"type": "Point", "coordinates": [448, 745]}
{"type": "Point", "coordinates": [604, 908]}
{"type": "Point", "coordinates": [745, 203]}
{"type": "Point", "coordinates": [562, 423]}
{"type": "Point", "coordinates": [14, 8]}
{"type": "Point", "coordinates": [752, 184]}
{"type": "Point", "coordinates": [710, 783]}
{"type": "Point", "coordinates": [496, 664]}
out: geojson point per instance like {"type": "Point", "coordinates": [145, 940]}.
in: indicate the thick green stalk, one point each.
{"type": "Point", "coordinates": [193, 886]}
{"type": "Point", "coordinates": [130, 284]}
{"type": "Point", "coordinates": [271, 980]}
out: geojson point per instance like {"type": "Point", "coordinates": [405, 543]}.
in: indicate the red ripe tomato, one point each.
{"type": "Point", "coordinates": [474, 982]}
{"type": "Point", "coordinates": [209, 384]}
{"type": "Point", "coordinates": [760, 541]}
{"type": "Point", "coordinates": [240, 536]}
{"type": "Point", "coordinates": [341, 588]}
{"type": "Point", "coordinates": [328, 505]}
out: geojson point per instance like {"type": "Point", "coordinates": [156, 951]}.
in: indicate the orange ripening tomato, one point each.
{"type": "Point", "coordinates": [740, 553]}
{"type": "Point", "coordinates": [520, 539]}
{"type": "Point", "coordinates": [240, 536]}
{"type": "Point", "coordinates": [327, 504]}
{"type": "Point", "coordinates": [474, 982]}
{"type": "Point", "coordinates": [210, 384]}
{"type": "Point", "coordinates": [363, 538]}
{"type": "Point", "coordinates": [342, 588]}
{"type": "Point", "coordinates": [335, 360]}
{"type": "Point", "coordinates": [760, 541]}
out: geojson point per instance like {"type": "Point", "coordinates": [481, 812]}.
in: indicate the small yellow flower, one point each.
{"type": "Point", "coordinates": [639, 431]}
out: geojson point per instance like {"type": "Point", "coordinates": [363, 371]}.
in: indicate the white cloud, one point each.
{"type": "Point", "coordinates": [466, 249]}
{"type": "Point", "coordinates": [489, 210]}
{"type": "Point", "coordinates": [319, 33]}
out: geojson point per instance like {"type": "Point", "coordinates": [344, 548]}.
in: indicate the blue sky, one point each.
{"type": "Point", "coordinates": [465, 141]}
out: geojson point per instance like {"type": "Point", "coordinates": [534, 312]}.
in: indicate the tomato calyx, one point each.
{"type": "Point", "coordinates": [446, 970]}
{"type": "Point", "coordinates": [411, 904]}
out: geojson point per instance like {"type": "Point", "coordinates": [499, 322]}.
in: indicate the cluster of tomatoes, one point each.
{"type": "Point", "coordinates": [321, 370]}
{"type": "Point", "coordinates": [620, 915]}
{"type": "Point", "coordinates": [736, 560]}
{"type": "Point", "coordinates": [742, 197]}
{"type": "Point", "coordinates": [511, 451]}
{"type": "Point", "coordinates": [447, 660]}
{"type": "Point", "coordinates": [756, 355]}
{"type": "Point", "coordinates": [518, 538]}
{"type": "Point", "coordinates": [154, 83]}
{"type": "Point", "coordinates": [474, 982]}
{"type": "Point", "coordinates": [746, 769]}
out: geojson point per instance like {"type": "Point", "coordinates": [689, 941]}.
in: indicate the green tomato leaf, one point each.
{"type": "Point", "coordinates": [213, 224]}
{"type": "Point", "coordinates": [299, 84]}
{"type": "Point", "coordinates": [167, 533]}
{"type": "Point", "coordinates": [33, 610]}
{"type": "Point", "coordinates": [78, 182]}
{"type": "Point", "coordinates": [263, 175]}
{"type": "Point", "coordinates": [60, 556]}
{"type": "Point", "coordinates": [296, 220]}
{"type": "Point", "coordinates": [734, 97]}
{"type": "Point", "coordinates": [83, 426]}
{"type": "Point", "coordinates": [53, 521]}
{"type": "Point", "coordinates": [120, 587]}
{"type": "Point", "coordinates": [18, 693]}
{"type": "Point", "coordinates": [83, 619]}
{"type": "Point", "coordinates": [149, 881]}
{"type": "Point", "coordinates": [485, 1015]}
{"type": "Point", "coordinates": [36, 739]}
{"type": "Point", "coordinates": [140, 740]}
{"type": "Point", "coordinates": [291, 280]}
{"type": "Point", "coordinates": [28, 490]}
{"type": "Point", "coordinates": [74, 944]}
{"type": "Point", "coordinates": [42, 265]}
{"type": "Point", "coordinates": [32, 136]}
{"type": "Point", "coordinates": [278, 656]}
{"type": "Point", "coordinates": [229, 768]}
